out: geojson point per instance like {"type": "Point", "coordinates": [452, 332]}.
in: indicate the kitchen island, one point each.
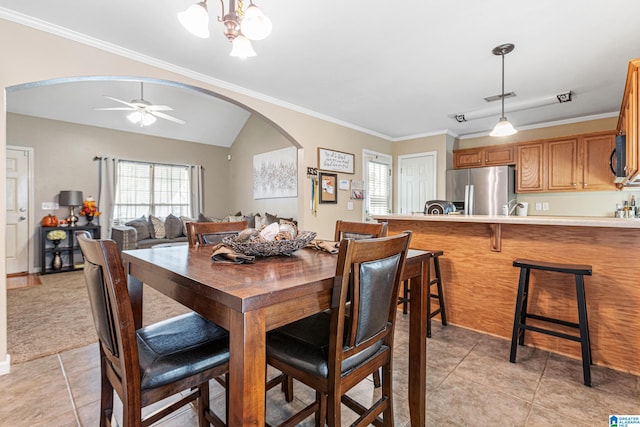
{"type": "Point", "coordinates": [480, 283]}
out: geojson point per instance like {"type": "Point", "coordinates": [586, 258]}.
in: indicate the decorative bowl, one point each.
{"type": "Point", "coordinates": [270, 248]}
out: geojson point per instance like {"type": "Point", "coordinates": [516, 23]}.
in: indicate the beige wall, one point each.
{"type": "Point", "coordinates": [256, 137]}
{"type": "Point", "coordinates": [30, 55]}
{"type": "Point", "coordinates": [64, 152]}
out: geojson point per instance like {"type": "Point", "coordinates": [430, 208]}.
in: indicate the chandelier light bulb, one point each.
{"type": "Point", "coordinates": [255, 25]}
{"type": "Point", "coordinates": [196, 20]}
{"type": "Point", "coordinates": [241, 47]}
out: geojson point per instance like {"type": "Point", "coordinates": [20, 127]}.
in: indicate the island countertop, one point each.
{"type": "Point", "coordinates": [570, 221]}
{"type": "Point", "coordinates": [480, 282]}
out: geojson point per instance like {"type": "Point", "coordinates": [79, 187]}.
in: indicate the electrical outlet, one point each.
{"type": "Point", "coordinates": [538, 206]}
{"type": "Point", "coordinates": [545, 206]}
{"type": "Point", "coordinates": [47, 206]}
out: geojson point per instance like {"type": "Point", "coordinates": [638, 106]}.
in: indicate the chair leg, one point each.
{"type": "Point", "coordinates": [106, 395]}
{"type": "Point", "coordinates": [334, 401]}
{"type": "Point", "coordinates": [429, 309]}
{"type": "Point", "coordinates": [376, 379]}
{"type": "Point", "coordinates": [203, 404]}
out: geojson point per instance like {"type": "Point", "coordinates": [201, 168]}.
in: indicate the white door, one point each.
{"type": "Point", "coordinates": [417, 181]}
{"type": "Point", "coordinates": [17, 211]}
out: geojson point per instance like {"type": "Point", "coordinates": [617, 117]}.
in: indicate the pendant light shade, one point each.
{"type": "Point", "coordinates": [241, 47]}
{"type": "Point", "coordinates": [504, 127]}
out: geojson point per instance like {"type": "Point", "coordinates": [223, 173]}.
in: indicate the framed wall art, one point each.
{"type": "Point", "coordinates": [275, 174]}
{"type": "Point", "coordinates": [328, 187]}
{"type": "Point", "coordinates": [335, 161]}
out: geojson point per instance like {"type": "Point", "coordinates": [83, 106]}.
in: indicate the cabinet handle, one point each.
{"type": "Point", "coordinates": [574, 184]}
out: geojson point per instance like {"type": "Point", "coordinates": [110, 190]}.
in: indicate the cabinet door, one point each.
{"type": "Point", "coordinates": [596, 173]}
{"type": "Point", "coordinates": [499, 155]}
{"type": "Point", "coordinates": [563, 164]}
{"type": "Point", "coordinates": [631, 121]}
{"type": "Point", "coordinates": [530, 168]}
{"type": "Point", "coordinates": [467, 158]}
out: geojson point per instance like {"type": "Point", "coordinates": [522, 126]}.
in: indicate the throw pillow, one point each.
{"type": "Point", "coordinates": [172, 226]}
{"type": "Point", "coordinates": [142, 227]}
{"type": "Point", "coordinates": [260, 221]}
{"type": "Point", "coordinates": [203, 218]}
{"type": "Point", "coordinates": [274, 218]}
{"type": "Point", "coordinates": [158, 227]}
{"type": "Point", "coordinates": [185, 220]}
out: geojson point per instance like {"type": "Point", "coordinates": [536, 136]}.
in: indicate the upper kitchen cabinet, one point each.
{"type": "Point", "coordinates": [530, 168]}
{"type": "Point", "coordinates": [629, 120]}
{"type": "Point", "coordinates": [484, 156]}
{"type": "Point", "coordinates": [580, 163]}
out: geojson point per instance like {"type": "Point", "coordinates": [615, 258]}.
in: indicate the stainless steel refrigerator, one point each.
{"type": "Point", "coordinates": [482, 191]}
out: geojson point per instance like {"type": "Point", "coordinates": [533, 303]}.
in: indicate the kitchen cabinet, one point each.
{"type": "Point", "coordinates": [580, 163]}
{"type": "Point", "coordinates": [530, 168]}
{"type": "Point", "coordinates": [629, 120]}
{"type": "Point", "coordinates": [494, 155]}
{"type": "Point", "coordinates": [563, 164]}
{"type": "Point", "coordinates": [573, 163]}
{"type": "Point", "coordinates": [67, 249]}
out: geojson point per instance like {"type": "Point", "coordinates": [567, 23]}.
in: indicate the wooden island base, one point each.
{"type": "Point", "coordinates": [480, 282]}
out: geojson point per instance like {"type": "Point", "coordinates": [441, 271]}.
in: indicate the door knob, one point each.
{"type": "Point", "coordinates": [23, 209]}
{"type": "Point", "coordinates": [22, 218]}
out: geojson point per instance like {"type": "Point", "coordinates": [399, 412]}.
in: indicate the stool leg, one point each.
{"type": "Point", "coordinates": [405, 296]}
{"type": "Point", "coordinates": [518, 317]}
{"type": "Point", "coordinates": [525, 304]}
{"type": "Point", "coordinates": [436, 268]}
{"type": "Point", "coordinates": [429, 307]}
{"type": "Point", "coordinates": [585, 342]}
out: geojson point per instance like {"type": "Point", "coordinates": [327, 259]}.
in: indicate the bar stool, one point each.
{"type": "Point", "coordinates": [434, 279]}
{"type": "Point", "coordinates": [521, 314]}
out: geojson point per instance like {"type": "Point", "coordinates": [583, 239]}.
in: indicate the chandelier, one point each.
{"type": "Point", "coordinates": [240, 25]}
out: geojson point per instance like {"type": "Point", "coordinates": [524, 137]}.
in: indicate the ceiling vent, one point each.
{"type": "Point", "coordinates": [499, 96]}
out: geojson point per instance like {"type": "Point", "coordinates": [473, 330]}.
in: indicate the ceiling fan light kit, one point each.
{"type": "Point", "coordinates": [143, 113]}
{"type": "Point", "coordinates": [240, 26]}
{"type": "Point", "coordinates": [503, 127]}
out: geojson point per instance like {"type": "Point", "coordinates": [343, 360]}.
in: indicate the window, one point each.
{"type": "Point", "coordinates": [377, 171]}
{"type": "Point", "coordinates": [151, 189]}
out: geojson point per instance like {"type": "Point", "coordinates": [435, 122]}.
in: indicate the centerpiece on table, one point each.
{"type": "Point", "coordinates": [89, 209]}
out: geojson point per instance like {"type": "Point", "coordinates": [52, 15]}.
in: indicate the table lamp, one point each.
{"type": "Point", "coordinates": [71, 199]}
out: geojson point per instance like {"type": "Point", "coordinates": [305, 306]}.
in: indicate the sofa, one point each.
{"type": "Point", "coordinates": [146, 232]}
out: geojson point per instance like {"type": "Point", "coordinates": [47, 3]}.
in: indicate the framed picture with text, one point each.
{"type": "Point", "coordinates": [335, 161]}
{"type": "Point", "coordinates": [328, 187]}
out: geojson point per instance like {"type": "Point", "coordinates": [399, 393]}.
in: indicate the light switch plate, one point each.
{"type": "Point", "coordinates": [349, 206]}
{"type": "Point", "coordinates": [47, 206]}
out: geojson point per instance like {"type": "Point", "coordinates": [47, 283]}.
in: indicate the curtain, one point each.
{"type": "Point", "coordinates": [197, 191]}
{"type": "Point", "coordinates": [108, 180]}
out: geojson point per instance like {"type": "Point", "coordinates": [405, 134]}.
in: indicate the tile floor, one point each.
{"type": "Point", "coordinates": [470, 382]}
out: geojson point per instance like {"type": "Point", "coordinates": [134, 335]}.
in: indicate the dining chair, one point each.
{"type": "Point", "coordinates": [211, 233]}
{"type": "Point", "coordinates": [359, 230]}
{"type": "Point", "coordinates": [331, 351]}
{"type": "Point", "coordinates": [144, 366]}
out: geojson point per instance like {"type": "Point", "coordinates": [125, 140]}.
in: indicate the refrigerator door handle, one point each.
{"type": "Point", "coordinates": [468, 199]}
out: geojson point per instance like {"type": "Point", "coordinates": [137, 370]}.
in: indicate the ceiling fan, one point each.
{"type": "Point", "coordinates": [143, 113]}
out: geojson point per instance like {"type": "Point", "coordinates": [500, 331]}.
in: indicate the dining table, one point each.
{"type": "Point", "coordinates": [250, 299]}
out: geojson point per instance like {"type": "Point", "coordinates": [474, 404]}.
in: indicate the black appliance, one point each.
{"type": "Point", "coordinates": [438, 207]}
{"type": "Point", "coordinates": [618, 159]}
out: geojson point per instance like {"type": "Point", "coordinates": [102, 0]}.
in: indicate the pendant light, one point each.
{"type": "Point", "coordinates": [503, 128]}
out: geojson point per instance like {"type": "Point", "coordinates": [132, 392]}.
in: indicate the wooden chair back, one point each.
{"type": "Point", "coordinates": [208, 233]}
{"type": "Point", "coordinates": [359, 230]}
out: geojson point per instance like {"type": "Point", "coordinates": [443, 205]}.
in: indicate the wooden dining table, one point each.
{"type": "Point", "coordinates": [250, 299]}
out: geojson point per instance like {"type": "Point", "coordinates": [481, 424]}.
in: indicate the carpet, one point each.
{"type": "Point", "coordinates": [56, 316]}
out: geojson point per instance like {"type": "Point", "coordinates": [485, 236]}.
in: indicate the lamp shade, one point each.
{"type": "Point", "coordinates": [196, 20]}
{"type": "Point", "coordinates": [70, 198]}
{"type": "Point", "coordinates": [503, 128]}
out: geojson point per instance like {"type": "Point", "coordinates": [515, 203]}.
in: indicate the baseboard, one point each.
{"type": "Point", "coordinates": [5, 365]}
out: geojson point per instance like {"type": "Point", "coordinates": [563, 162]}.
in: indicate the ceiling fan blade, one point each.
{"type": "Point", "coordinates": [128, 104]}
{"type": "Point", "coordinates": [168, 117]}
{"type": "Point", "coordinates": [159, 108]}
{"type": "Point", "coordinates": [115, 109]}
